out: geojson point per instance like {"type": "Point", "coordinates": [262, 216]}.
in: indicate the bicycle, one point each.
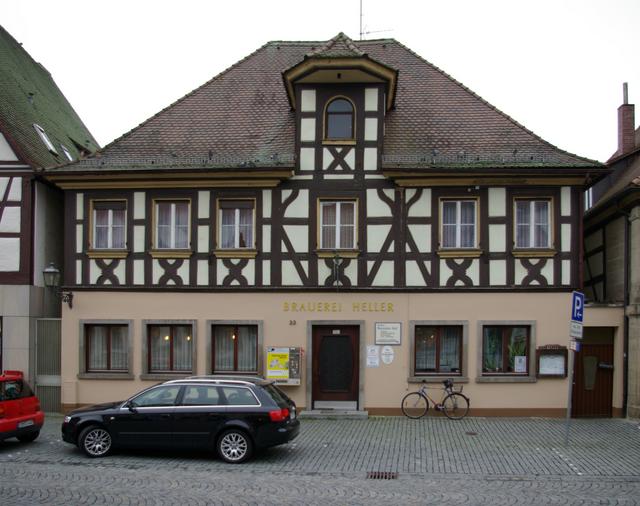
{"type": "Point", "coordinates": [454, 404]}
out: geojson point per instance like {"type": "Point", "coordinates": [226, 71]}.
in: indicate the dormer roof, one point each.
{"type": "Point", "coordinates": [340, 61]}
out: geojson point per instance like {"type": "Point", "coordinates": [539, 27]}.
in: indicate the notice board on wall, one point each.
{"type": "Point", "coordinates": [283, 365]}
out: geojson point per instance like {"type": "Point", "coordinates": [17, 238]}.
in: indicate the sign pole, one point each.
{"type": "Point", "coordinates": [567, 424]}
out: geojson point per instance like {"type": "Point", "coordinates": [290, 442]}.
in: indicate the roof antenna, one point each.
{"type": "Point", "coordinates": [360, 19]}
{"type": "Point", "coordinates": [362, 32]}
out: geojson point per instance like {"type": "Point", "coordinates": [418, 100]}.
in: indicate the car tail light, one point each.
{"type": "Point", "coordinates": [279, 415]}
{"type": "Point", "coordinates": [38, 406]}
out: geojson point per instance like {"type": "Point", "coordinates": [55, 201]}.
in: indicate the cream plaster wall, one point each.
{"type": "Point", "coordinates": [385, 385]}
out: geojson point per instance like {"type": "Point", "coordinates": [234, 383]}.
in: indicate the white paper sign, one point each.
{"type": "Point", "coordinates": [552, 365]}
{"type": "Point", "coordinates": [388, 333]}
{"type": "Point", "coordinates": [387, 354]}
{"type": "Point", "coordinates": [373, 356]}
{"type": "Point", "coordinates": [520, 363]}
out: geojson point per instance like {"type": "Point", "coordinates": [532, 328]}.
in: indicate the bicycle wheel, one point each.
{"type": "Point", "coordinates": [455, 406]}
{"type": "Point", "coordinates": [415, 405]}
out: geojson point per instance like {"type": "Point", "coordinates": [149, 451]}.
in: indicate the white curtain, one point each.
{"type": "Point", "coordinates": [98, 337]}
{"type": "Point", "coordinates": [425, 349]}
{"type": "Point", "coordinates": [467, 223]}
{"type": "Point", "coordinates": [182, 346]}
{"type": "Point", "coordinates": [227, 228]}
{"type": "Point", "coordinates": [449, 212]}
{"type": "Point", "coordinates": [223, 348]}
{"type": "Point", "coordinates": [347, 224]}
{"type": "Point", "coordinates": [541, 224]}
{"type": "Point", "coordinates": [328, 225]}
{"type": "Point", "coordinates": [492, 359]}
{"type": "Point", "coordinates": [523, 227]}
{"type": "Point", "coordinates": [119, 347]}
{"type": "Point", "coordinates": [159, 348]}
{"type": "Point", "coordinates": [163, 215]}
{"type": "Point", "coordinates": [450, 338]}
{"type": "Point", "coordinates": [181, 225]}
{"type": "Point", "coordinates": [247, 348]}
{"type": "Point", "coordinates": [101, 239]}
{"type": "Point", "coordinates": [245, 235]}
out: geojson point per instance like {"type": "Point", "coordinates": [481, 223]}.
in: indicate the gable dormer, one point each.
{"type": "Point", "coordinates": [340, 96]}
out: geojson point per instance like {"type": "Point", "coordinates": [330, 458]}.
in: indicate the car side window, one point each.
{"type": "Point", "coordinates": [161, 396]}
{"type": "Point", "coordinates": [238, 396]}
{"type": "Point", "coordinates": [201, 396]}
{"type": "Point", "coordinates": [11, 390]}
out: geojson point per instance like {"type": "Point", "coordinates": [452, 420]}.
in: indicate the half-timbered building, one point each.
{"type": "Point", "coordinates": [347, 205]}
{"type": "Point", "coordinates": [38, 128]}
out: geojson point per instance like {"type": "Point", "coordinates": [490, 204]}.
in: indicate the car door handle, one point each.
{"type": "Point", "coordinates": [165, 416]}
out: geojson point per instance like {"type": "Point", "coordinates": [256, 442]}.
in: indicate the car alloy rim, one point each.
{"type": "Point", "coordinates": [97, 442]}
{"type": "Point", "coordinates": [233, 446]}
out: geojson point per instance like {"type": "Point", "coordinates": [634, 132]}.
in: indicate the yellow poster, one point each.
{"type": "Point", "coordinates": [278, 363]}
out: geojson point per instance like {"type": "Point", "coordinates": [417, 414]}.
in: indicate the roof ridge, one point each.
{"type": "Point", "coordinates": [511, 119]}
{"type": "Point", "coordinates": [175, 102]}
{"type": "Point", "coordinates": [332, 43]}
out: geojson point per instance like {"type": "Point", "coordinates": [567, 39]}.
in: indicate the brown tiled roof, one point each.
{"type": "Point", "coordinates": [242, 117]}
{"type": "Point", "coordinates": [629, 178]}
{"type": "Point", "coordinates": [340, 46]}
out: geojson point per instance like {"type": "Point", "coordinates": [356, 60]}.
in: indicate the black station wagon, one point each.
{"type": "Point", "coordinates": [233, 415]}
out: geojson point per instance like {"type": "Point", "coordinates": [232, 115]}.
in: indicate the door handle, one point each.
{"type": "Point", "coordinates": [602, 365]}
{"type": "Point", "coordinates": [165, 416]}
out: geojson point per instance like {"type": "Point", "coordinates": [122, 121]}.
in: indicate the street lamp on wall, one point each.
{"type": "Point", "coordinates": [51, 275]}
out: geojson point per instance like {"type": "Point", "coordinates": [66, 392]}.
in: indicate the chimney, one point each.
{"type": "Point", "coordinates": [626, 122]}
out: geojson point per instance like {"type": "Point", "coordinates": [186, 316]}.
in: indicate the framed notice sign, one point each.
{"type": "Point", "coordinates": [552, 361]}
{"type": "Point", "coordinates": [388, 333]}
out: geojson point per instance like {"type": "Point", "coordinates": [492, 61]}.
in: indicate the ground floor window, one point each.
{"type": "Point", "coordinates": [170, 348]}
{"type": "Point", "coordinates": [505, 349]}
{"type": "Point", "coordinates": [438, 349]}
{"type": "Point", "coordinates": [106, 347]}
{"type": "Point", "coordinates": [234, 348]}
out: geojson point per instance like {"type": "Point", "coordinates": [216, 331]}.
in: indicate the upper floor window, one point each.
{"type": "Point", "coordinates": [339, 119]}
{"type": "Point", "coordinates": [338, 224]}
{"type": "Point", "coordinates": [109, 224]}
{"type": "Point", "coordinates": [236, 224]}
{"type": "Point", "coordinates": [532, 223]}
{"type": "Point", "coordinates": [172, 224]}
{"type": "Point", "coordinates": [459, 224]}
{"type": "Point", "coordinates": [45, 138]}
{"type": "Point", "coordinates": [588, 199]}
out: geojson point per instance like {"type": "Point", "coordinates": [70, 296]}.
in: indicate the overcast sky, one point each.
{"type": "Point", "coordinates": [556, 66]}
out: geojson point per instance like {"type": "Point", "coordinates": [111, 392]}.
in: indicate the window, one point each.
{"type": "Point", "coordinates": [159, 396]}
{"type": "Point", "coordinates": [234, 348]}
{"type": "Point", "coordinates": [532, 224]}
{"type": "Point", "coordinates": [588, 199]}
{"type": "Point", "coordinates": [337, 225]}
{"type": "Point", "coordinates": [458, 224]}
{"type": "Point", "coordinates": [238, 396]}
{"type": "Point", "coordinates": [172, 224]}
{"type": "Point", "coordinates": [505, 349]}
{"type": "Point", "coordinates": [45, 138]}
{"type": "Point", "coordinates": [236, 224]}
{"type": "Point", "coordinates": [170, 348]}
{"type": "Point", "coordinates": [438, 350]}
{"type": "Point", "coordinates": [201, 396]}
{"type": "Point", "coordinates": [109, 225]}
{"type": "Point", "coordinates": [106, 348]}
{"type": "Point", "coordinates": [66, 152]}
{"type": "Point", "coordinates": [339, 119]}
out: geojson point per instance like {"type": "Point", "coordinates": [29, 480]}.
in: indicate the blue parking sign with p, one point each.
{"type": "Point", "coordinates": [577, 306]}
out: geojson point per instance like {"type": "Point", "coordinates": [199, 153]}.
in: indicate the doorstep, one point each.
{"type": "Point", "coordinates": [336, 414]}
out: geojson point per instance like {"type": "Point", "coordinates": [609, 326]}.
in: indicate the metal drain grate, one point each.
{"type": "Point", "coordinates": [382, 475]}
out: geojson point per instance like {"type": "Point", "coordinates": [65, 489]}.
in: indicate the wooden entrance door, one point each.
{"type": "Point", "coordinates": [335, 364]}
{"type": "Point", "coordinates": [593, 380]}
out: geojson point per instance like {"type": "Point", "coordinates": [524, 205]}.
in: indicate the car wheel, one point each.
{"type": "Point", "coordinates": [28, 438]}
{"type": "Point", "coordinates": [95, 441]}
{"type": "Point", "coordinates": [234, 446]}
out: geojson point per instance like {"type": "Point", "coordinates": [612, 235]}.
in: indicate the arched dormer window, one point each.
{"type": "Point", "coordinates": [339, 119]}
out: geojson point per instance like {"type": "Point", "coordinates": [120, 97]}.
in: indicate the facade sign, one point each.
{"type": "Point", "coordinates": [575, 330]}
{"type": "Point", "coordinates": [577, 307]}
{"type": "Point", "coordinates": [283, 365]}
{"type": "Point", "coordinates": [387, 354]}
{"type": "Point", "coordinates": [373, 356]}
{"type": "Point", "coordinates": [388, 333]}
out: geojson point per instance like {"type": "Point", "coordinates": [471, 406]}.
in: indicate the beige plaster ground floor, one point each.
{"type": "Point", "coordinates": [384, 369]}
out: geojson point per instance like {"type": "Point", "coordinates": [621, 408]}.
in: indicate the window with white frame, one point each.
{"type": "Point", "coordinates": [172, 224]}
{"type": "Point", "coordinates": [109, 224]}
{"type": "Point", "coordinates": [588, 199]}
{"type": "Point", "coordinates": [458, 223]}
{"type": "Point", "coordinates": [45, 138]}
{"type": "Point", "coordinates": [338, 224]}
{"type": "Point", "coordinates": [532, 223]}
{"type": "Point", "coordinates": [236, 224]}
{"type": "Point", "coordinates": [66, 152]}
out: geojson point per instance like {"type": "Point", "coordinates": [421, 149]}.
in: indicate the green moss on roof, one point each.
{"type": "Point", "coordinates": [30, 95]}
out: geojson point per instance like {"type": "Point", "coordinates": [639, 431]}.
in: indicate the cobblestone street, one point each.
{"type": "Point", "coordinates": [473, 461]}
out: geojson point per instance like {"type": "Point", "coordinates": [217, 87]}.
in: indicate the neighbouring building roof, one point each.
{"type": "Point", "coordinates": [242, 117]}
{"type": "Point", "coordinates": [30, 96]}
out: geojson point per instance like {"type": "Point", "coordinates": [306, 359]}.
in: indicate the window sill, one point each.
{"type": "Point", "coordinates": [459, 253]}
{"type": "Point", "coordinates": [107, 253]}
{"type": "Point", "coordinates": [342, 253]}
{"type": "Point", "coordinates": [106, 376]}
{"type": "Point", "coordinates": [437, 379]}
{"type": "Point", "coordinates": [163, 376]}
{"type": "Point", "coordinates": [534, 252]}
{"type": "Point", "coordinates": [170, 253]}
{"type": "Point", "coordinates": [506, 379]}
{"type": "Point", "coordinates": [338, 142]}
{"type": "Point", "coordinates": [236, 253]}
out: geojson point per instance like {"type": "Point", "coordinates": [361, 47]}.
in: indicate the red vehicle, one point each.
{"type": "Point", "coordinates": [20, 414]}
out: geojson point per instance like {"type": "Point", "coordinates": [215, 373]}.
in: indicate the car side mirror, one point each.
{"type": "Point", "coordinates": [131, 406]}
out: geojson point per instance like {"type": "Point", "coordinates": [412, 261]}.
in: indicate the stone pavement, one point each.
{"type": "Point", "coordinates": [438, 461]}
